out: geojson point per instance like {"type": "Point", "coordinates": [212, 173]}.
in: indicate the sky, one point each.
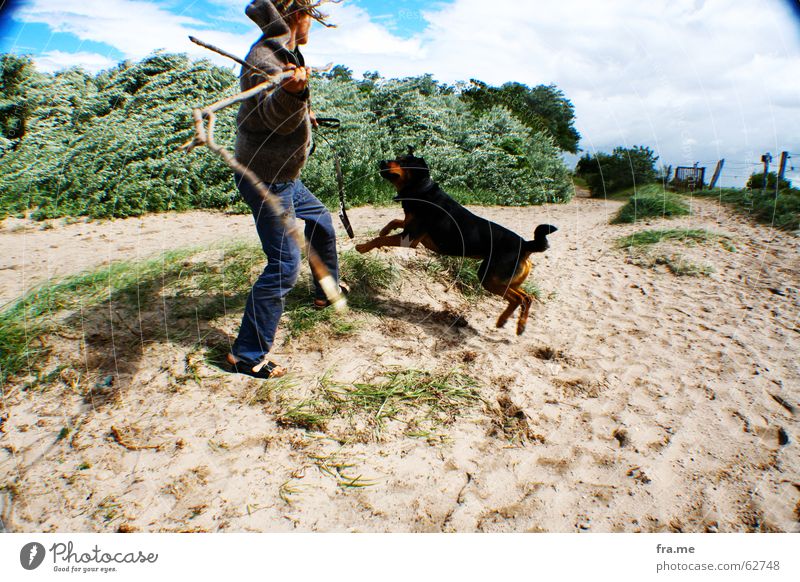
{"type": "Point", "coordinates": [695, 80]}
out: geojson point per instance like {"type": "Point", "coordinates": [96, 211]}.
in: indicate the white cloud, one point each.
{"type": "Point", "coordinates": [134, 27]}
{"type": "Point", "coordinates": [52, 61]}
{"type": "Point", "coordinates": [695, 79]}
{"type": "Point", "coordinates": [363, 44]}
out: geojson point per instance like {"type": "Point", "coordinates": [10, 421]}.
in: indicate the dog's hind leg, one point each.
{"type": "Point", "coordinates": [510, 290]}
{"type": "Point", "coordinates": [523, 314]}
{"type": "Point", "coordinates": [514, 298]}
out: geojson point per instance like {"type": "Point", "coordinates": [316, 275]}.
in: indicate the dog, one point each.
{"type": "Point", "coordinates": [439, 223]}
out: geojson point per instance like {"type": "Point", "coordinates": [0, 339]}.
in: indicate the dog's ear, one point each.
{"type": "Point", "coordinates": [411, 151]}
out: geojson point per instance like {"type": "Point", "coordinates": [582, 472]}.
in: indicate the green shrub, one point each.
{"type": "Point", "coordinates": [106, 145]}
{"type": "Point", "coordinates": [606, 174]}
{"type": "Point", "coordinates": [756, 182]}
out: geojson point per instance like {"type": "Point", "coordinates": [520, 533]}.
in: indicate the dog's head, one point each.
{"type": "Point", "coordinates": [406, 172]}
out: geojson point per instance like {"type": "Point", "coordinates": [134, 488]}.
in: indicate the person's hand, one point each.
{"type": "Point", "coordinates": [313, 117]}
{"type": "Point", "coordinates": [298, 82]}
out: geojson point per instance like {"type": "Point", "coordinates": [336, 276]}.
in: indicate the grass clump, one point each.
{"type": "Point", "coordinates": [307, 415]}
{"type": "Point", "coordinates": [651, 201]}
{"type": "Point", "coordinates": [367, 272]}
{"type": "Point", "coordinates": [460, 271]}
{"type": "Point", "coordinates": [412, 396]}
{"type": "Point", "coordinates": [442, 394]}
{"type": "Point", "coordinates": [675, 263]}
{"type": "Point", "coordinates": [650, 237]}
{"type": "Point", "coordinates": [366, 275]}
{"type": "Point", "coordinates": [24, 323]}
{"type": "Point", "coordinates": [302, 318]}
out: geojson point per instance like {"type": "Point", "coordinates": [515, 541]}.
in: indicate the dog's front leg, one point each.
{"type": "Point", "coordinates": [395, 240]}
{"type": "Point", "coordinates": [393, 225]}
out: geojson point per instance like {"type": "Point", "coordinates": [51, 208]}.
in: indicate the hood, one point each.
{"type": "Point", "coordinates": [267, 17]}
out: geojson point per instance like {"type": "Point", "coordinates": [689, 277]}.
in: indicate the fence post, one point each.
{"type": "Point", "coordinates": [717, 172]}
{"type": "Point", "coordinates": [782, 171]}
{"type": "Point", "coordinates": [766, 158]}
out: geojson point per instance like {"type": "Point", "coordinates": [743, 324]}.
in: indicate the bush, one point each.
{"type": "Point", "coordinates": [107, 145]}
{"type": "Point", "coordinates": [756, 182]}
{"type": "Point", "coordinates": [624, 168]}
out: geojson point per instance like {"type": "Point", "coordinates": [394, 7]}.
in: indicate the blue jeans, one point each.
{"type": "Point", "coordinates": [266, 301]}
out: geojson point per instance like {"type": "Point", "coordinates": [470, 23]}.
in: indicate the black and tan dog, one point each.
{"type": "Point", "coordinates": [439, 223]}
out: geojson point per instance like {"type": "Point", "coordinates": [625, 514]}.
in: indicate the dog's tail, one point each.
{"type": "Point", "coordinates": [539, 243]}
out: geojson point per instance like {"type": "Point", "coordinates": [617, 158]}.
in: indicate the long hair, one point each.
{"type": "Point", "coordinates": [310, 7]}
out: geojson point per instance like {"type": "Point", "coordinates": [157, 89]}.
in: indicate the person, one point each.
{"type": "Point", "coordinates": [272, 140]}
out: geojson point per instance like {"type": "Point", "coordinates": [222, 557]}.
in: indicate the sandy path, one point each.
{"type": "Point", "coordinates": [653, 403]}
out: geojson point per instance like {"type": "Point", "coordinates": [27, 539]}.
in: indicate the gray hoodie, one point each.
{"type": "Point", "coordinates": [274, 129]}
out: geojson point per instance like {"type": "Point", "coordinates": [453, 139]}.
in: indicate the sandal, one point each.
{"type": "Point", "coordinates": [263, 371]}
{"type": "Point", "coordinates": [344, 289]}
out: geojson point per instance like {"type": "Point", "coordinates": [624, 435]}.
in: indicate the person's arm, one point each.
{"type": "Point", "coordinates": [283, 109]}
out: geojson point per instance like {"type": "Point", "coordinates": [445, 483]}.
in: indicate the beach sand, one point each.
{"type": "Point", "coordinates": [636, 401]}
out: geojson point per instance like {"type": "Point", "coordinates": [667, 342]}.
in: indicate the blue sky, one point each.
{"type": "Point", "coordinates": [33, 34]}
{"type": "Point", "coordinates": [697, 80]}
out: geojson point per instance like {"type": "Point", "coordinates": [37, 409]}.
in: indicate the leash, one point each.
{"type": "Point", "coordinates": [333, 123]}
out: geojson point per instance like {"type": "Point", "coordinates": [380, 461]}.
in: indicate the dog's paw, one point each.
{"type": "Point", "coordinates": [363, 248]}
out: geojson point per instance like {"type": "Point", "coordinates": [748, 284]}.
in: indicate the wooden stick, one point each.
{"type": "Point", "coordinates": [247, 65]}
{"type": "Point", "coordinates": [219, 51]}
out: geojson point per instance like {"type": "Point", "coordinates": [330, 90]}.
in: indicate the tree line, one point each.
{"type": "Point", "coordinates": [106, 145]}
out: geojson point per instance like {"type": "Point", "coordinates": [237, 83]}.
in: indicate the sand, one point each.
{"type": "Point", "coordinates": [637, 400]}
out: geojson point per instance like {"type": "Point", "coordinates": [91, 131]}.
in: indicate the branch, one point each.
{"type": "Point", "coordinates": [247, 65]}
{"type": "Point", "coordinates": [219, 51]}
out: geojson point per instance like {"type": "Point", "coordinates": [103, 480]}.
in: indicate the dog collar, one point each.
{"type": "Point", "coordinates": [429, 186]}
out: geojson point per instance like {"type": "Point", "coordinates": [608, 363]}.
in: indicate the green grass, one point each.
{"type": "Point", "coordinates": [461, 271]}
{"type": "Point", "coordinates": [440, 393]}
{"type": "Point", "coordinates": [367, 275]}
{"type": "Point", "coordinates": [366, 272]}
{"type": "Point", "coordinates": [681, 267]}
{"type": "Point", "coordinates": [307, 415]}
{"type": "Point", "coordinates": [781, 211]}
{"type": "Point", "coordinates": [187, 288]}
{"type": "Point", "coordinates": [265, 391]}
{"type": "Point", "coordinates": [650, 237]}
{"type": "Point", "coordinates": [302, 318]}
{"type": "Point", "coordinates": [24, 323]}
{"type": "Point", "coordinates": [651, 201]}
{"type": "Point", "coordinates": [436, 397]}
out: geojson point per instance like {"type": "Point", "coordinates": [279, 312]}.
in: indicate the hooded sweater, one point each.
{"type": "Point", "coordinates": [274, 129]}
